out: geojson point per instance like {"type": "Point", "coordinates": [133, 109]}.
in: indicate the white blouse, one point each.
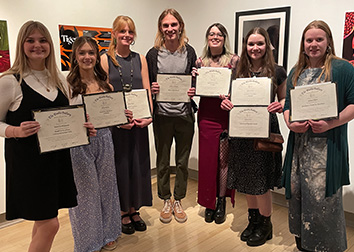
{"type": "Point", "coordinates": [11, 93]}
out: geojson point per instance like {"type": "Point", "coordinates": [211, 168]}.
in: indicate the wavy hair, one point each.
{"type": "Point", "coordinates": [303, 60]}
{"type": "Point", "coordinates": [182, 38]}
{"type": "Point", "coordinates": [21, 64]}
{"type": "Point", "coordinates": [118, 24]}
{"type": "Point", "coordinates": [226, 54]}
{"type": "Point", "coordinates": [74, 78]}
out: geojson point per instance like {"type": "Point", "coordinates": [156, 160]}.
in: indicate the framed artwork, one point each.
{"type": "Point", "coordinates": [348, 37]}
{"type": "Point", "coordinates": [68, 34]}
{"type": "Point", "coordinates": [4, 47]}
{"type": "Point", "coordinates": [275, 21]}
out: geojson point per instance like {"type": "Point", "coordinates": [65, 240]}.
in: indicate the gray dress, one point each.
{"type": "Point", "coordinates": [318, 220]}
{"type": "Point", "coordinates": [132, 156]}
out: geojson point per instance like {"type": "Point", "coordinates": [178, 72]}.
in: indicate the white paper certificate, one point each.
{"type": "Point", "coordinates": [213, 81]}
{"type": "Point", "coordinates": [138, 102]}
{"type": "Point", "coordinates": [105, 109]}
{"type": "Point", "coordinates": [61, 128]}
{"type": "Point", "coordinates": [251, 91]}
{"type": "Point", "coordinates": [173, 88]}
{"type": "Point", "coordinates": [249, 122]}
{"type": "Point", "coordinates": [317, 101]}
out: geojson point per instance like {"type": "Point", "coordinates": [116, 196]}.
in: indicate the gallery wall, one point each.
{"type": "Point", "coordinates": [197, 14]}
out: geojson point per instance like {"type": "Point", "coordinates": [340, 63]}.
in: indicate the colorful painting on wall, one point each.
{"type": "Point", "coordinates": [348, 38]}
{"type": "Point", "coordinates": [4, 47]}
{"type": "Point", "coordinates": [69, 33]}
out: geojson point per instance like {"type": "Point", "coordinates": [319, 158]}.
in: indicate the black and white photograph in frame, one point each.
{"type": "Point", "coordinates": [275, 21]}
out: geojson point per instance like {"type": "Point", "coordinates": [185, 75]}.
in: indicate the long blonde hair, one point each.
{"type": "Point", "coordinates": [303, 60]}
{"type": "Point", "coordinates": [226, 54]}
{"type": "Point", "coordinates": [182, 37]}
{"type": "Point", "coordinates": [21, 64]}
{"type": "Point", "coordinates": [119, 24]}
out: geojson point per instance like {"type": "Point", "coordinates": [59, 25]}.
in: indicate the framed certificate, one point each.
{"type": "Point", "coordinates": [213, 81]}
{"type": "Point", "coordinates": [249, 122]}
{"type": "Point", "coordinates": [105, 109]}
{"type": "Point", "coordinates": [251, 91]}
{"type": "Point", "coordinates": [173, 87]}
{"type": "Point", "coordinates": [61, 128]}
{"type": "Point", "coordinates": [137, 101]}
{"type": "Point", "coordinates": [316, 102]}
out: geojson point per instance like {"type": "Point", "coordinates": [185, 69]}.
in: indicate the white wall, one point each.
{"type": "Point", "coordinates": [197, 14]}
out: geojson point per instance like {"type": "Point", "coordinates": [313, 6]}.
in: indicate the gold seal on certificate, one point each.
{"type": "Point", "coordinates": [251, 91]}
{"type": "Point", "coordinates": [173, 87]}
{"type": "Point", "coordinates": [213, 81]}
{"type": "Point", "coordinates": [316, 101]}
{"type": "Point", "coordinates": [249, 122]}
{"type": "Point", "coordinates": [105, 109]}
{"type": "Point", "coordinates": [137, 101]}
{"type": "Point", "coordinates": [61, 128]}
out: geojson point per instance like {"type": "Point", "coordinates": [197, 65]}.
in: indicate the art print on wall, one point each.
{"type": "Point", "coordinates": [275, 21]}
{"type": "Point", "coordinates": [4, 47]}
{"type": "Point", "coordinates": [69, 33]}
{"type": "Point", "coordinates": [348, 37]}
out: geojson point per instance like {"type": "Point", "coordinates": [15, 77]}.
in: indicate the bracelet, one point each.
{"type": "Point", "coordinates": [13, 132]}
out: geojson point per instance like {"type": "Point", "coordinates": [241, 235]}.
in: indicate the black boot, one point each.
{"type": "Point", "coordinates": [262, 232]}
{"type": "Point", "coordinates": [209, 215]}
{"type": "Point", "coordinates": [298, 244]}
{"type": "Point", "coordinates": [220, 215]}
{"type": "Point", "coordinates": [253, 215]}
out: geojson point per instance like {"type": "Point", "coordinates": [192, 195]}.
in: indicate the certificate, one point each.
{"type": "Point", "coordinates": [105, 109]}
{"type": "Point", "coordinates": [316, 102]}
{"type": "Point", "coordinates": [251, 91]}
{"type": "Point", "coordinates": [249, 122]}
{"type": "Point", "coordinates": [213, 81]}
{"type": "Point", "coordinates": [61, 128]}
{"type": "Point", "coordinates": [173, 88]}
{"type": "Point", "coordinates": [137, 101]}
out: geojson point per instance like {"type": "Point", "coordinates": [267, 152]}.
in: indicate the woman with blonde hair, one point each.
{"type": "Point", "coordinates": [172, 120]}
{"type": "Point", "coordinates": [316, 162]}
{"type": "Point", "coordinates": [251, 171]}
{"type": "Point", "coordinates": [37, 185]}
{"type": "Point", "coordinates": [127, 70]}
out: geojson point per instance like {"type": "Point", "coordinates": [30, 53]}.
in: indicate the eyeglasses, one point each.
{"type": "Point", "coordinates": [213, 34]}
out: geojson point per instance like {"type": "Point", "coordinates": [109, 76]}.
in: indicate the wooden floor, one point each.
{"type": "Point", "coordinates": [194, 235]}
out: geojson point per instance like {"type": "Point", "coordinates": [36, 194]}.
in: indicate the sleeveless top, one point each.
{"type": "Point", "coordinates": [130, 68]}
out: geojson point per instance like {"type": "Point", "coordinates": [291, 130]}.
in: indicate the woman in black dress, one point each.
{"type": "Point", "coordinates": [37, 185]}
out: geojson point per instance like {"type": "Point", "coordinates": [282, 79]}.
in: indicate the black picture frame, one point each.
{"type": "Point", "coordinates": [276, 21]}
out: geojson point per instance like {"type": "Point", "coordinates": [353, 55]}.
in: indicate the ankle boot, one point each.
{"type": "Point", "coordinates": [220, 212]}
{"type": "Point", "coordinates": [253, 215]}
{"type": "Point", "coordinates": [262, 232]}
{"type": "Point", "coordinates": [209, 215]}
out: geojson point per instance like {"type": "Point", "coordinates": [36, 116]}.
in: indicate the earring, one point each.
{"type": "Point", "coordinates": [114, 41]}
{"type": "Point", "coordinates": [329, 49]}
{"type": "Point", "coordinates": [75, 61]}
{"type": "Point", "coordinates": [133, 42]}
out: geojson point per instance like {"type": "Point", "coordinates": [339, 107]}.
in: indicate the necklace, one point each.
{"type": "Point", "coordinates": [44, 85]}
{"type": "Point", "coordinates": [127, 87]}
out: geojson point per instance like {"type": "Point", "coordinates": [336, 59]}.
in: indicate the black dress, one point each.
{"type": "Point", "coordinates": [255, 172]}
{"type": "Point", "coordinates": [131, 147]}
{"type": "Point", "coordinates": [37, 185]}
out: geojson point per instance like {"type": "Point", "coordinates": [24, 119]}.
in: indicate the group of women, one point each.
{"type": "Point", "coordinates": [105, 183]}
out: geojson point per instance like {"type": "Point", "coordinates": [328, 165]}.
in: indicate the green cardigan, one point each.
{"type": "Point", "coordinates": [337, 167]}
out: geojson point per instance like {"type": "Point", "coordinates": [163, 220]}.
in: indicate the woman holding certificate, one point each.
{"type": "Point", "coordinates": [316, 163]}
{"type": "Point", "coordinates": [37, 185]}
{"type": "Point", "coordinates": [213, 124]}
{"type": "Point", "coordinates": [128, 70]}
{"type": "Point", "coordinates": [93, 164]}
{"type": "Point", "coordinates": [172, 120]}
{"type": "Point", "coordinates": [251, 171]}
